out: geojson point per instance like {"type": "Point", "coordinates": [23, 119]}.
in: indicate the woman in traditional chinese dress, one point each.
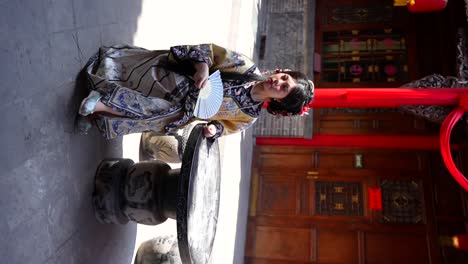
{"type": "Point", "coordinates": [135, 90]}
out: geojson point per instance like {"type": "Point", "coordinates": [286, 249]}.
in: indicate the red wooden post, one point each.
{"type": "Point", "coordinates": [385, 97]}
{"type": "Point", "coordinates": [359, 141]}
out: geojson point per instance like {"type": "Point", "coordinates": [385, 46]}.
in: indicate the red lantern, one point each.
{"type": "Point", "coordinates": [460, 241]}
{"type": "Point", "coordinates": [418, 6]}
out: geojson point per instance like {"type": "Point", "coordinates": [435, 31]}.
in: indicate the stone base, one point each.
{"type": "Point", "coordinates": [107, 189]}
{"type": "Point", "coordinates": [158, 250]}
{"type": "Point", "coordinates": [143, 192]}
{"type": "Point", "coordinates": [148, 192]}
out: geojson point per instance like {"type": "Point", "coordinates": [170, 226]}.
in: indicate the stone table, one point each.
{"type": "Point", "coordinates": [149, 192]}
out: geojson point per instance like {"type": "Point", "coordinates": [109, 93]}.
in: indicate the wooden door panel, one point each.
{"type": "Point", "coordinates": [336, 160]}
{"type": "Point", "coordinates": [337, 246]}
{"type": "Point", "coordinates": [279, 196]}
{"type": "Point", "coordinates": [362, 124]}
{"type": "Point", "coordinates": [290, 160]}
{"type": "Point", "coordinates": [300, 194]}
{"type": "Point", "coordinates": [382, 124]}
{"type": "Point", "coordinates": [382, 248]}
{"type": "Point", "coordinates": [393, 160]}
{"type": "Point", "coordinates": [289, 244]}
{"type": "Point", "coordinates": [338, 198]}
{"type": "Point", "coordinates": [251, 260]}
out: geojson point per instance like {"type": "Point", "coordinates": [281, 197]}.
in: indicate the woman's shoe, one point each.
{"type": "Point", "coordinates": [83, 125]}
{"type": "Point", "coordinates": [89, 103]}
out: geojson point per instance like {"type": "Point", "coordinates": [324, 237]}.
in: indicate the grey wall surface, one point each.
{"type": "Point", "coordinates": [286, 28]}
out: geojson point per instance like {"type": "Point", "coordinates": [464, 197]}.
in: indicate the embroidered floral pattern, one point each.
{"type": "Point", "coordinates": [244, 102]}
{"type": "Point", "coordinates": [241, 95]}
{"type": "Point", "coordinates": [193, 53]}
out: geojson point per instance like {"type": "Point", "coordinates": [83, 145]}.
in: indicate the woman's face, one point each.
{"type": "Point", "coordinates": [279, 85]}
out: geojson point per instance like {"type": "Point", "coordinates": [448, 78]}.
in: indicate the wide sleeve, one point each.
{"type": "Point", "coordinates": [190, 54]}
{"type": "Point", "coordinates": [230, 126]}
{"type": "Point", "coordinates": [217, 57]}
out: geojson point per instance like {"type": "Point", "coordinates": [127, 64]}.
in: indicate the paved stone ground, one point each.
{"type": "Point", "coordinates": [47, 169]}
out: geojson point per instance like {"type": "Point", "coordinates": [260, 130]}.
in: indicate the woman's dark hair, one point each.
{"type": "Point", "coordinates": [293, 103]}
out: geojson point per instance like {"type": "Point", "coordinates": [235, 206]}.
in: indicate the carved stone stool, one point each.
{"type": "Point", "coordinates": [159, 250]}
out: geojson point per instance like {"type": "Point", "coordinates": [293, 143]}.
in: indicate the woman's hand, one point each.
{"type": "Point", "coordinates": [201, 75]}
{"type": "Point", "coordinates": [209, 131]}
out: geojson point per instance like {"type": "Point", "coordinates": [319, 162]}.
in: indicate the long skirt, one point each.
{"type": "Point", "coordinates": [133, 82]}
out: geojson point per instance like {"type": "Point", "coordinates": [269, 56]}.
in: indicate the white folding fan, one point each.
{"type": "Point", "coordinates": [210, 97]}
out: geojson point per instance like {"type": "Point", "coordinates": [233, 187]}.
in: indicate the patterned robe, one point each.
{"type": "Point", "coordinates": [155, 92]}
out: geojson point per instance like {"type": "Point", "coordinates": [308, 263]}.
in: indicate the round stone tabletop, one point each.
{"type": "Point", "coordinates": [198, 198]}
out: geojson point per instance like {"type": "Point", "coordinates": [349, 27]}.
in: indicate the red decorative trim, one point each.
{"type": "Point", "coordinates": [385, 97]}
{"type": "Point", "coordinates": [358, 141]}
{"type": "Point", "coordinates": [445, 148]}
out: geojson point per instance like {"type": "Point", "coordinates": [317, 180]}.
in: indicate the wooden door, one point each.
{"type": "Point", "coordinates": [317, 211]}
